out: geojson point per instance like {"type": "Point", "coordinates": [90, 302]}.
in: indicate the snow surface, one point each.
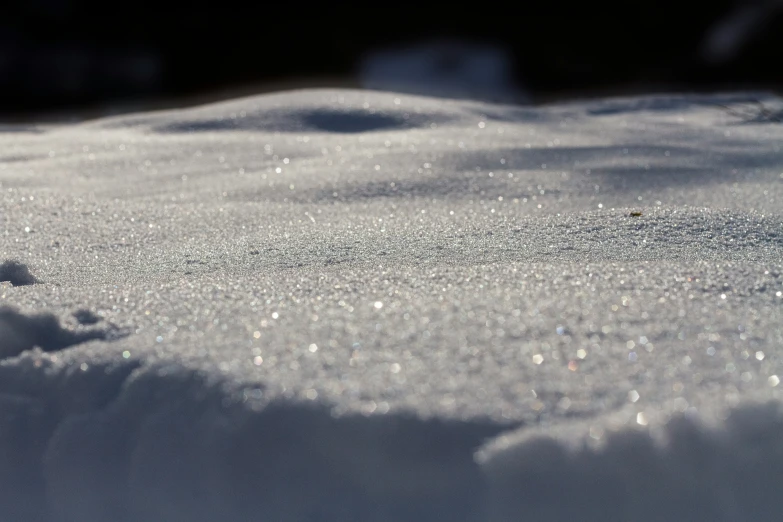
{"type": "Point", "coordinates": [361, 306]}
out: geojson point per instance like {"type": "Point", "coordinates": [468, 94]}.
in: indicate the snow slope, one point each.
{"type": "Point", "coordinates": [362, 306]}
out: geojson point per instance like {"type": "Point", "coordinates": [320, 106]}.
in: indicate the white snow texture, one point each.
{"type": "Point", "coordinates": [334, 305]}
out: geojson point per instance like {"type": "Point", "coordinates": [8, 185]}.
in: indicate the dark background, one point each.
{"type": "Point", "coordinates": [82, 57]}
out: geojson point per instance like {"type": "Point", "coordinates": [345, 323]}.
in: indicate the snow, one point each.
{"type": "Point", "coordinates": [350, 305]}
{"type": "Point", "coordinates": [731, 34]}
{"type": "Point", "coordinates": [444, 68]}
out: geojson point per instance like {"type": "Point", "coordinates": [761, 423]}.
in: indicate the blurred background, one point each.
{"type": "Point", "coordinates": [63, 59]}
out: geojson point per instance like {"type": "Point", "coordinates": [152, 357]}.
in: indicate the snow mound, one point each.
{"type": "Point", "coordinates": [339, 112]}
{"type": "Point", "coordinates": [685, 470]}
